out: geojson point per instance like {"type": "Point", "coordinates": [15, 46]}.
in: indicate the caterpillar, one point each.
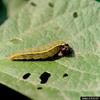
{"type": "Point", "coordinates": [59, 48]}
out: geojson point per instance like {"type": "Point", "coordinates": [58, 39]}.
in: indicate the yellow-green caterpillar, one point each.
{"type": "Point", "coordinates": [56, 47]}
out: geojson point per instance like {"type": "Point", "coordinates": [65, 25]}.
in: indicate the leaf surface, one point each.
{"type": "Point", "coordinates": [37, 23]}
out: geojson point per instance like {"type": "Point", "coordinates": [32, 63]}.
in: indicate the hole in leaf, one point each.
{"type": "Point", "coordinates": [39, 88]}
{"type": "Point", "coordinates": [65, 75]}
{"type": "Point", "coordinates": [3, 12]}
{"type": "Point", "coordinates": [33, 4]}
{"type": "Point", "coordinates": [98, 0]}
{"type": "Point", "coordinates": [75, 15]}
{"type": "Point", "coordinates": [26, 75]}
{"type": "Point", "coordinates": [44, 77]}
{"type": "Point", "coordinates": [51, 4]}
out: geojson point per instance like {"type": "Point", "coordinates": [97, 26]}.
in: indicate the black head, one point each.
{"type": "Point", "coordinates": [66, 50]}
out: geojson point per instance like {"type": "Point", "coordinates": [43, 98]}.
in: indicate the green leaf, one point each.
{"type": "Point", "coordinates": [38, 22]}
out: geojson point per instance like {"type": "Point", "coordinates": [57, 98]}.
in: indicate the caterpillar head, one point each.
{"type": "Point", "coordinates": [66, 50]}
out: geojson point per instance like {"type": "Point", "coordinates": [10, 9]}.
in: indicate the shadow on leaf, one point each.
{"type": "Point", "coordinates": [10, 94]}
